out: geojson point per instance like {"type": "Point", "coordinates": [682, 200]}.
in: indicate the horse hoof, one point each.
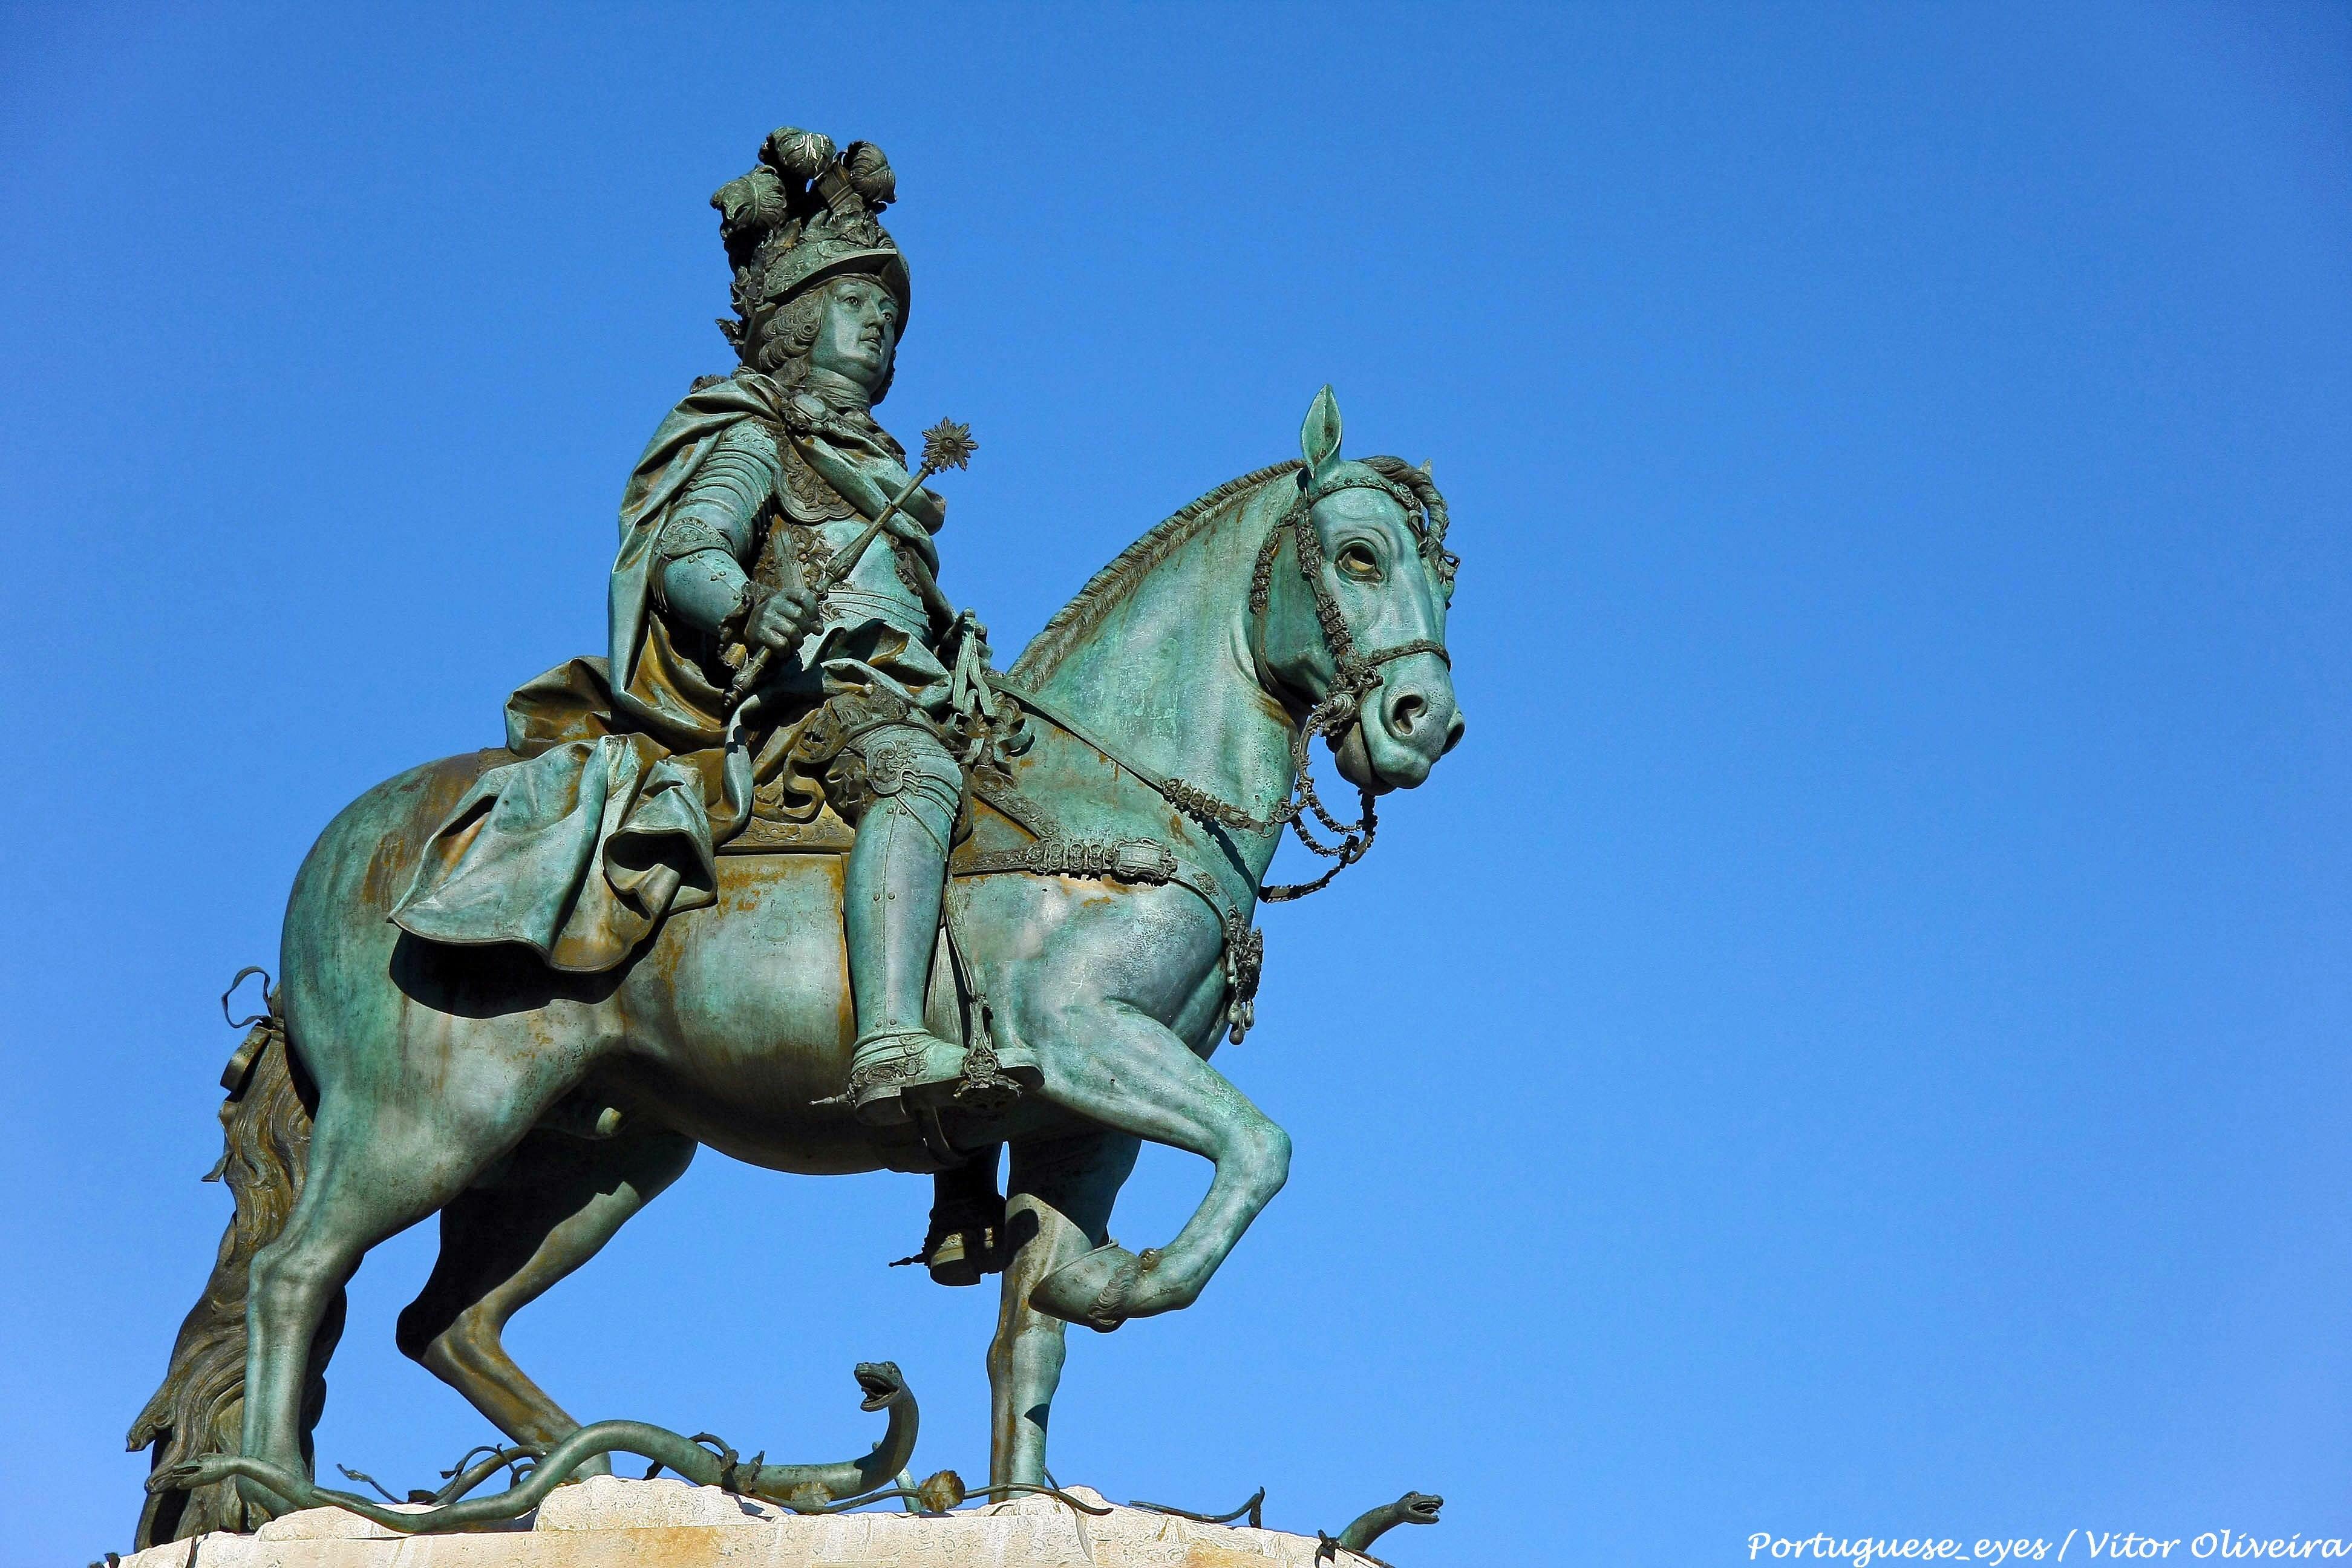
{"type": "Point", "coordinates": [1092, 1289]}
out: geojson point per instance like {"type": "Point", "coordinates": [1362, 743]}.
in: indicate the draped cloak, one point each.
{"type": "Point", "coordinates": [628, 787]}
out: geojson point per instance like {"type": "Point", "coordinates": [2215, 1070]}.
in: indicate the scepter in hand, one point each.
{"type": "Point", "coordinates": [946, 445]}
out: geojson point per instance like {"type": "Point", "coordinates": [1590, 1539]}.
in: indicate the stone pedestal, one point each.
{"type": "Point", "coordinates": [608, 1522]}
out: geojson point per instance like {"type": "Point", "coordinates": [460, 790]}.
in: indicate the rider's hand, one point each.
{"type": "Point", "coordinates": [788, 615]}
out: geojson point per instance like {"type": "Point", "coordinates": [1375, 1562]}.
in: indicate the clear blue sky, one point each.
{"type": "Point", "coordinates": [1856, 1037]}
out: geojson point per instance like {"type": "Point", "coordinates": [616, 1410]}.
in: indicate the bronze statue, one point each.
{"type": "Point", "coordinates": [793, 872]}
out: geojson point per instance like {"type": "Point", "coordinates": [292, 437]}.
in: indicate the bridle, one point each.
{"type": "Point", "coordinates": [1354, 674]}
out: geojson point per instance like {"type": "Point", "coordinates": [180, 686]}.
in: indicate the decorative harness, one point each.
{"type": "Point", "coordinates": [1148, 861]}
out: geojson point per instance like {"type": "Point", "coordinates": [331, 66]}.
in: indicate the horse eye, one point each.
{"type": "Point", "coordinates": [1358, 562]}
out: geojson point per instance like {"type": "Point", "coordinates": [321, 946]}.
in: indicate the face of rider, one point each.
{"type": "Point", "coordinates": [857, 332]}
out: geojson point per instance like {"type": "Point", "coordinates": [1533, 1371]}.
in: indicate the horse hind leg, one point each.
{"type": "Point", "coordinates": [198, 1411]}
{"type": "Point", "coordinates": [373, 1171]}
{"type": "Point", "coordinates": [502, 1246]}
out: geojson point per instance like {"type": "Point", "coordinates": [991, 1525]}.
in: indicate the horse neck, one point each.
{"type": "Point", "coordinates": [1169, 676]}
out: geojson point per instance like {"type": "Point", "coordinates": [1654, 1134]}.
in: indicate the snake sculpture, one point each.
{"type": "Point", "coordinates": [705, 1460]}
{"type": "Point", "coordinates": [1413, 1508]}
{"type": "Point", "coordinates": [805, 1489]}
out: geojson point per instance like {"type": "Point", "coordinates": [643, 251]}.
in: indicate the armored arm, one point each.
{"type": "Point", "coordinates": [711, 530]}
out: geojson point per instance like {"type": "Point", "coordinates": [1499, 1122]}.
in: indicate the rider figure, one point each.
{"type": "Point", "coordinates": [746, 673]}
{"type": "Point", "coordinates": [822, 296]}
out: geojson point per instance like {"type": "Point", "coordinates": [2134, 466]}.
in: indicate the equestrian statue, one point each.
{"type": "Point", "coordinates": [792, 871]}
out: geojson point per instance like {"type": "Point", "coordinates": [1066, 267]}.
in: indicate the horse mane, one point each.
{"type": "Point", "coordinates": [1104, 590]}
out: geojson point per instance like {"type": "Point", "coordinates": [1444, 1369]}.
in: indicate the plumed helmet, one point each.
{"type": "Point", "coordinates": [806, 214]}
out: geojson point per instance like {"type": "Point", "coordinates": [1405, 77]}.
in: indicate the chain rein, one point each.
{"type": "Point", "coordinates": [1356, 674]}
{"type": "Point", "coordinates": [1149, 861]}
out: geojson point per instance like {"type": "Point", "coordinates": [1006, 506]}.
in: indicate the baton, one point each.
{"type": "Point", "coordinates": [946, 445]}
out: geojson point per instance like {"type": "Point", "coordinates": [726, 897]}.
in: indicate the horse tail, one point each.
{"type": "Point", "coordinates": [200, 1408]}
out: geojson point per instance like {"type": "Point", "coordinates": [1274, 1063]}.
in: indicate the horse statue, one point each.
{"type": "Point", "coordinates": [1100, 915]}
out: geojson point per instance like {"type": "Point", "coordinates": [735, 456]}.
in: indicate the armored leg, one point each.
{"type": "Point", "coordinates": [894, 883]}
{"type": "Point", "coordinates": [966, 1236]}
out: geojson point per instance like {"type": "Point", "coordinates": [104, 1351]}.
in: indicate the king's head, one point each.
{"type": "Point", "coordinates": [820, 287]}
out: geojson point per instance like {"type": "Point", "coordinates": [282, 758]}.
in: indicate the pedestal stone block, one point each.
{"type": "Point", "coordinates": [608, 1522]}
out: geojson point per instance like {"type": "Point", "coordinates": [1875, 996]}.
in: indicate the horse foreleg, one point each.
{"type": "Point", "coordinates": [1122, 1070]}
{"type": "Point", "coordinates": [1058, 1210]}
{"type": "Point", "coordinates": [502, 1246]}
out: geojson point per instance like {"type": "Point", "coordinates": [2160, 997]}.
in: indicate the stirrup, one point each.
{"type": "Point", "coordinates": [887, 1063]}
{"type": "Point", "coordinates": [993, 1080]}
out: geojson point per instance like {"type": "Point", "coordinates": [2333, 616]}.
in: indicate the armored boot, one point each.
{"type": "Point", "coordinates": [895, 881]}
{"type": "Point", "coordinates": [966, 1240]}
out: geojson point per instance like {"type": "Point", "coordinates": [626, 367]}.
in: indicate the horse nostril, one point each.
{"type": "Point", "coordinates": [1453, 734]}
{"type": "Point", "coordinates": [1405, 712]}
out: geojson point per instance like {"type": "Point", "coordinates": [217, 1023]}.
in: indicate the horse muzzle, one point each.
{"type": "Point", "coordinates": [1401, 731]}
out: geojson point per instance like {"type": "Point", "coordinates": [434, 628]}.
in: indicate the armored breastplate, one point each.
{"type": "Point", "coordinates": [806, 495]}
{"type": "Point", "coordinates": [875, 587]}
{"type": "Point", "coordinates": [817, 521]}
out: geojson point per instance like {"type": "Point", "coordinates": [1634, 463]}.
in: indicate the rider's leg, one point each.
{"type": "Point", "coordinates": [894, 880]}
{"type": "Point", "coordinates": [890, 907]}
{"type": "Point", "coordinates": [966, 1237]}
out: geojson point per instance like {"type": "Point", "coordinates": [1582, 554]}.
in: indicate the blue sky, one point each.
{"type": "Point", "coordinates": [1853, 1040]}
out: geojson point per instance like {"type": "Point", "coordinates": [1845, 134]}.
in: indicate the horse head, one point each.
{"type": "Point", "coordinates": [1350, 600]}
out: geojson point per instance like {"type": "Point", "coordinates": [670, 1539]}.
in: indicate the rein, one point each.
{"type": "Point", "coordinates": [1357, 673]}
{"type": "Point", "coordinates": [1148, 860]}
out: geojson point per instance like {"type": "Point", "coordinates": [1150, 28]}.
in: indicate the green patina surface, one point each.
{"type": "Point", "coordinates": [699, 897]}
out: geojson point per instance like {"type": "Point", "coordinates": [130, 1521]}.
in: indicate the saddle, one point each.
{"type": "Point", "coordinates": [805, 770]}
{"type": "Point", "coordinates": [806, 773]}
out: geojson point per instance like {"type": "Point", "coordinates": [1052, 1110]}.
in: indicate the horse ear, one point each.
{"type": "Point", "coordinates": [1319, 438]}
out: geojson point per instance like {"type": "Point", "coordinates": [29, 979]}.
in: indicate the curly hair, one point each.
{"type": "Point", "coordinates": [786, 334]}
